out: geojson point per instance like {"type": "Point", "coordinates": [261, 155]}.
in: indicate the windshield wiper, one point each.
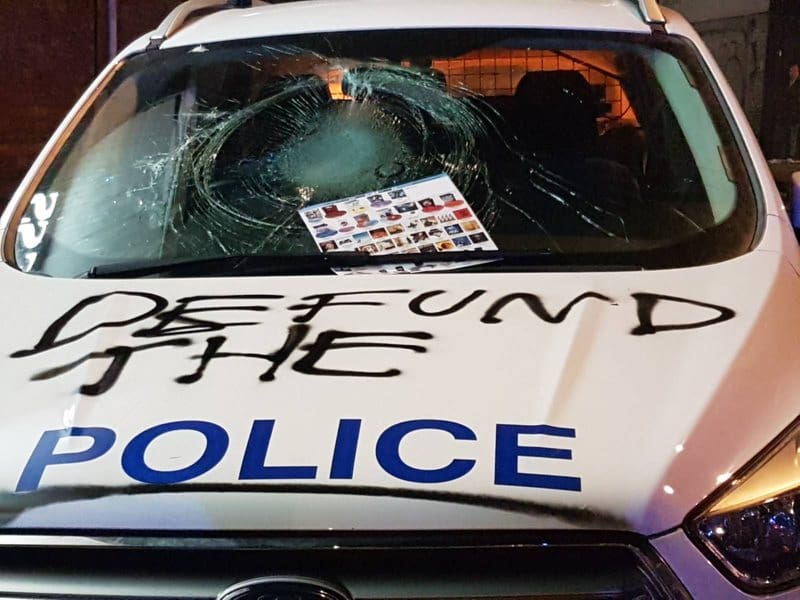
{"type": "Point", "coordinates": [305, 264]}
{"type": "Point", "coordinates": [325, 264]}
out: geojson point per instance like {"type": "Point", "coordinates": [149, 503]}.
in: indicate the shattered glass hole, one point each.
{"type": "Point", "coordinates": [213, 151]}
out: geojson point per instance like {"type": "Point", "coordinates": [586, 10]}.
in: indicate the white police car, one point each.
{"type": "Point", "coordinates": [370, 299]}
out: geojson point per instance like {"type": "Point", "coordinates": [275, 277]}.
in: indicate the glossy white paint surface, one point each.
{"type": "Point", "coordinates": [632, 399]}
{"type": "Point", "coordinates": [355, 15]}
{"type": "Point", "coordinates": [660, 419]}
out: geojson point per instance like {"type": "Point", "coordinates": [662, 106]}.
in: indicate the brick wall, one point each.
{"type": "Point", "coordinates": [736, 32]}
{"type": "Point", "coordinates": [50, 51]}
{"type": "Point", "coordinates": [739, 45]}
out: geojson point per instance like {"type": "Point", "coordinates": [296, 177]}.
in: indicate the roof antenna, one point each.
{"type": "Point", "coordinates": [240, 3]}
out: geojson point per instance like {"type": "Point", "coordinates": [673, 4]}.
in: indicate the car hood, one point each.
{"type": "Point", "coordinates": [461, 400]}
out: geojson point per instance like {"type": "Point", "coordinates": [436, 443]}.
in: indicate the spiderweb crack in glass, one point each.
{"type": "Point", "coordinates": [215, 151]}
{"type": "Point", "coordinates": [297, 147]}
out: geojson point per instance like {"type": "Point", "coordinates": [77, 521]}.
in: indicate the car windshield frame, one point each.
{"type": "Point", "coordinates": [737, 236]}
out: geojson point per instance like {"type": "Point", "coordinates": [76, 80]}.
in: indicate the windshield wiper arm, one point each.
{"type": "Point", "coordinates": [272, 264]}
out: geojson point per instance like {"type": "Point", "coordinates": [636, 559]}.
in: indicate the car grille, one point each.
{"type": "Point", "coordinates": [391, 566]}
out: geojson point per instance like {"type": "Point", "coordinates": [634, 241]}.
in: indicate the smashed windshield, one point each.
{"type": "Point", "coordinates": [569, 148]}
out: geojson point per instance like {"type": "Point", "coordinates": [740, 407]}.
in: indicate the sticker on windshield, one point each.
{"type": "Point", "coordinates": [428, 216]}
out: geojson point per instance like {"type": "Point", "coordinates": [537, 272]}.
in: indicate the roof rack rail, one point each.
{"type": "Point", "coordinates": [651, 12]}
{"type": "Point", "coordinates": [183, 12]}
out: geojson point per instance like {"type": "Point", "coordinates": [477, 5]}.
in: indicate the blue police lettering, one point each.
{"type": "Point", "coordinates": [255, 455]}
{"type": "Point", "coordinates": [43, 455]}
{"type": "Point", "coordinates": [343, 454]}
{"type": "Point", "coordinates": [387, 451]}
{"type": "Point", "coordinates": [343, 462]}
{"type": "Point", "coordinates": [133, 456]}
{"type": "Point", "coordinates": [508, 451]}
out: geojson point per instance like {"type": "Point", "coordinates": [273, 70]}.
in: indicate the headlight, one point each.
{"type": "Point", "coordinates": [752, 525]}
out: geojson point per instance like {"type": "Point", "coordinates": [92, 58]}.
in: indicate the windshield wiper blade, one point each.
{"type": "Point", "coordinates": [214, 266]}
{"type": "Point", "coordinates": [272, 264]}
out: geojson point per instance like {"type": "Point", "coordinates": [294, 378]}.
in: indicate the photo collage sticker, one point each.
{"type": "Point", "coordinates": [422, 217]}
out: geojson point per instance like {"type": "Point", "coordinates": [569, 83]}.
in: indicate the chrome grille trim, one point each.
{"type": "Point", "coordinates": [373, 566]}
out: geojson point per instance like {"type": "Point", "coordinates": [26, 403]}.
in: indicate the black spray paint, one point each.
{"type": "Point", "coordinates": [193, 316]}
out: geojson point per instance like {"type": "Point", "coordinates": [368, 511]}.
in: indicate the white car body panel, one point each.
{"type": "Point", "coordinates": [661, 420]}
{"type": "Point", "coordinates": [643, 406]}
{"type": "Point", "coordinates": [355, 15]}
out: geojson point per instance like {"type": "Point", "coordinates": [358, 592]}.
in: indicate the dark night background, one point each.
{"type": "Point", "coordinates": [50, 50]}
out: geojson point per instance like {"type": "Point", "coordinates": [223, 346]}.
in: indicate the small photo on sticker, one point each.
{"type": "Point", "coordinates": [430, 221]}
{"type": "Point", "coordinates": [385, 245]}
{"type": "Point", "coordinates": [436, 232]}
{"type": "Point", "coordinates": [429, 205]}
{"type": "Point", "coordinates": [389, 215]}
{"type": "Point", "coordinates": [368, 249]}
{"type": "Point", "coordinates": [419, 236]}
{"type": "Point", "coordinates": [356, 206]}
{"type": "Point", "coordinates": [470, 226]}
{"type": "Point", "coordinates": [413, 224]}
{"type": "Point", "coordinates": [378, 201]}
{"type": "Point", "coordinates": [395, 194]}
{"type": "Point", "coordinates": [333, 212]}
{"type": "Point", "coordinates": [345, 242]}
{"type": "Point", "coordinates": [328, 246]}
{"type": "Point", "coordinates": [379, 234]}
{"type": "Point", "coordinates": [478, 238]}
{"type": "Point", "coordinates": [406, 207]}
{"type": "Point", "coordinates": [313, 215]}
{"type": "Point", "coordinates": [361, 238]}
{"type": "Point", "coordinates": [394, 229]}
{"type": "Point", "coordinates": [445, 246]}
{"type": "Point", "coordinates": [462, 213]}
{"type": "Point", "coordinates": [401, 241]}
{"type": "Point", "coordinates": [462, 241]}
{"type": "Point", "coordinates": [427, 248]}
{"type": "Point", "coordinates": [453, 229]}
{"type": "Point", "coordinates": [364, 220]}
{"type": "Point", "coordinates": [447, 218]}
{"type": "Point", "coordinates": [322, 231]}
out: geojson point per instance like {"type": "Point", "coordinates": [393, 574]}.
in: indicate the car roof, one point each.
{"type": "Point", "coordinates": [308, 16]}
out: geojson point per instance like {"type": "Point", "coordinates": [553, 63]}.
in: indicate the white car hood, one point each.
{"type": "Point", "coordinates": [612, 400]}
